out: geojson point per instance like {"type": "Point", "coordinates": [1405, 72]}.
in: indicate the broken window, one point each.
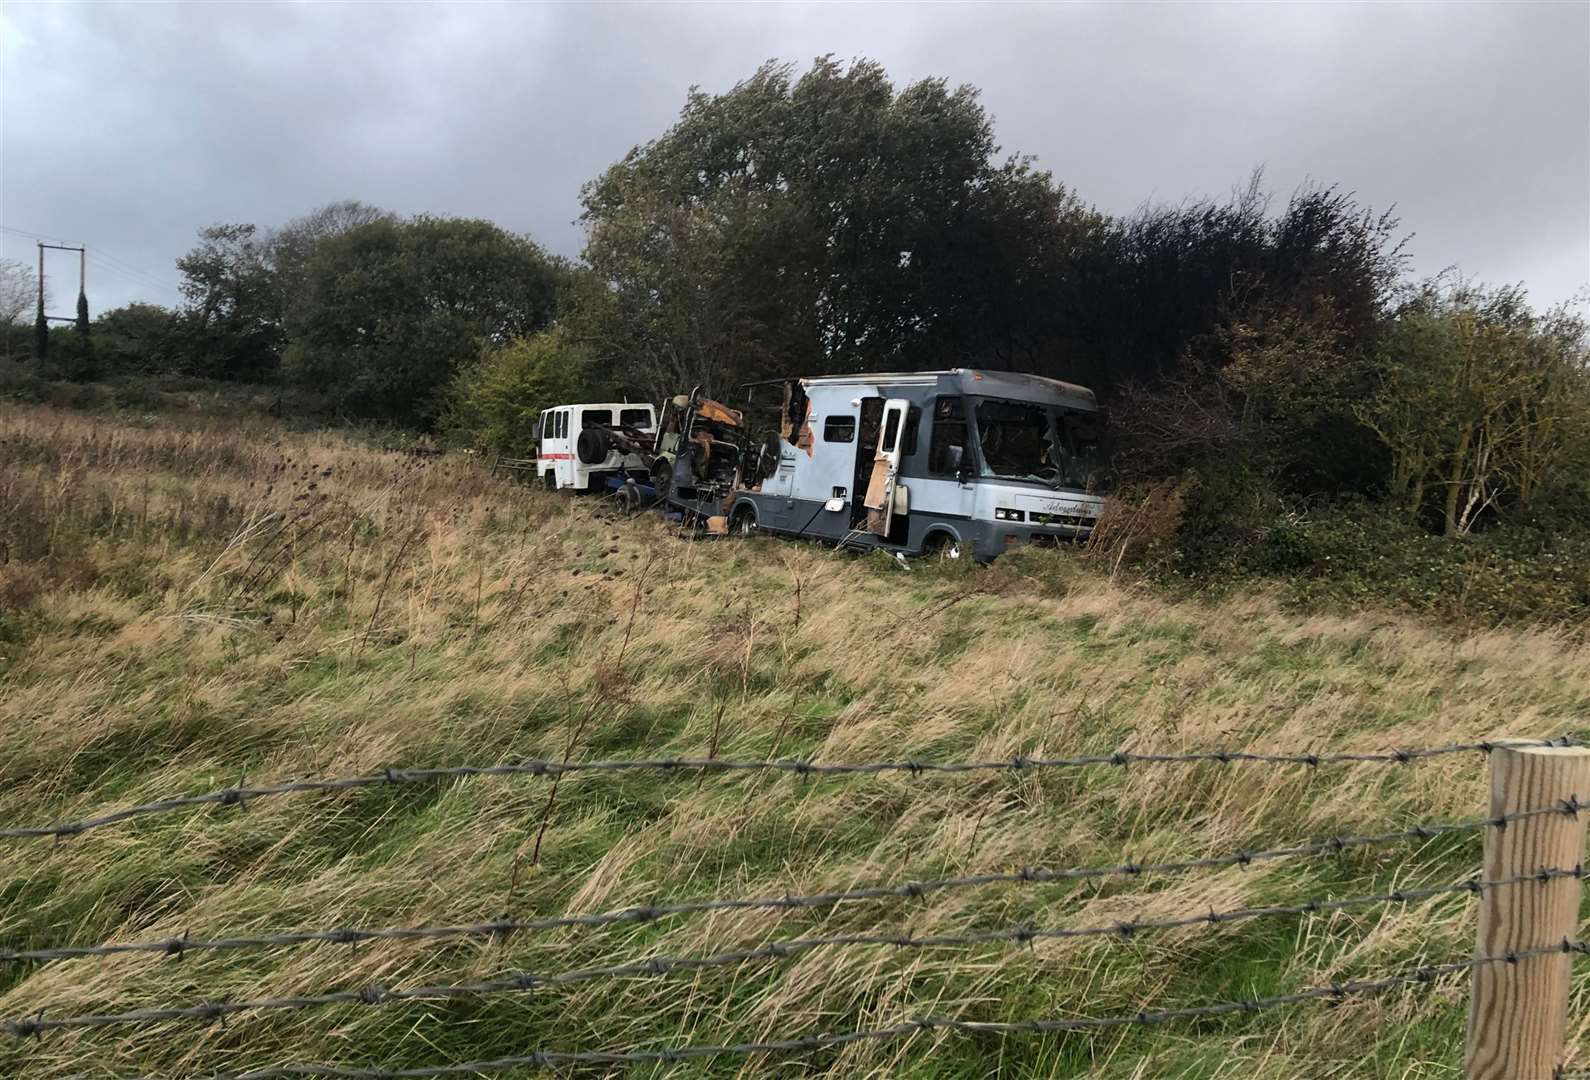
{"type": "Point", "coordinates": [948, 448]}
{"type": "Point", "coordinates": [1017, 441]}
{"type": "Point", "coordinates": [913, 420]}
{"type": "Point", "coordinates": [1082, 446]}
{"type": "Point", "coordinates": [839, 429]}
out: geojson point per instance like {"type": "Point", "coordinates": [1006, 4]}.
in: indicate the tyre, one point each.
{"type": "Point", "coordinates": [549, 480]}
{"type": "Point", "coordinates": [593, 446]}
{"type": "Point", "coordinates": [662, 477]}
{"type": "Point", "coordinates": [942, 547]}
{"type": "Point", "coordinates": [629, 498]}
{"type": "Point", "coordinates": [743, 523]}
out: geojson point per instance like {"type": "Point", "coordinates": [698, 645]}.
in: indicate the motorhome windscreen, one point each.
{"type": "Point", "coordinates": [1024, 441]}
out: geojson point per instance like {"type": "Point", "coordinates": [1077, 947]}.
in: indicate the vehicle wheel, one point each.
{"type": "Point", "coordinates": [629, 498]}
{"type": "Point", "coordinates": [743, 523]}
{"type": "Point", "coordinates": [942, 547]}
{"type": "Point", "coordinates": [550, 481]}
{"type": "Point", "coordinates": [593, 446]}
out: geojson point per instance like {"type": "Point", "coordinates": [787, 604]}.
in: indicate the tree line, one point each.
{"type": "Point", "coordinates": [825, 220]}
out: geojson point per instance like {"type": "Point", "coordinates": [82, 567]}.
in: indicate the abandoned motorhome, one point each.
{"type": "Point", "coordinates": [960, 461]}
{"type": "Point", "coordinates": [956, 462]}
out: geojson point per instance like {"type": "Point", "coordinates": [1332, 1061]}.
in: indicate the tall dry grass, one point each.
{"type": "Point", "coordinates": [187, 606]}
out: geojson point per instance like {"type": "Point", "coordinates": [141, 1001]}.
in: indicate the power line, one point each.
{"type": "Point", "coordinates": [135, 277]}
{"type": "Point", "coordinates": [106, 260]}
{"type": "Point", "coordinates": [240, 795]}
{"type": "Point", "coordinates": [32, 235]}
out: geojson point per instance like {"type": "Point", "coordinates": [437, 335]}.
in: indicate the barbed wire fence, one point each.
{"type": "Point", "coordinates": [1534, 839]}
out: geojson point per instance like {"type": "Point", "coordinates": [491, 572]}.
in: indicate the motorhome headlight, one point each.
{"type": "Point", "coordinates": [1006, 514]}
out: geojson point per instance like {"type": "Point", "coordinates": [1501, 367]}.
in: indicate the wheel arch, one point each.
{"type": "Point", "coordinates": [744, 504]}
{"type": "Point", "coordinates": [942, 530]}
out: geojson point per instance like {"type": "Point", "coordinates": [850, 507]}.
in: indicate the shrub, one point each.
{"type": "Point", "coordinates": [496, 404]}
{"type": "Point", "coordinates": [1140, 524]}
{"type": "Point", "coordinates": [1365, 553]}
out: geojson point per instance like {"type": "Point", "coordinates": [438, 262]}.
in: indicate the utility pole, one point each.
{"type": "Point", "coordinates": [41, 328]}
{"type": "Point", "coordinates": [41, 325]}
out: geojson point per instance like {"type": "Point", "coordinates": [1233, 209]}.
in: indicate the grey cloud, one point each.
{"type": "Point", "coordinates": [128, 127]}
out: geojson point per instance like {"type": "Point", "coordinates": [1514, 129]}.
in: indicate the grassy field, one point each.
{"type": "Point", "coordinates": [192, 603]}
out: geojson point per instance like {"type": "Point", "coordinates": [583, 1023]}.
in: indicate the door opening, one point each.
{"type": "Point", "coordinates": [867, 429]}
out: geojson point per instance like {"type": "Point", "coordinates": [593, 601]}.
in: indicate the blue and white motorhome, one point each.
{"type": "Point", "coordinates": [957, 462]}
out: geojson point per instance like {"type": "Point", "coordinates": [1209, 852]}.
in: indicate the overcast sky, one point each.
{"type": "Point", "coordinates": [126, 128]}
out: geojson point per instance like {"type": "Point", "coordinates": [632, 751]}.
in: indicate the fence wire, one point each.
{"type": "Point", "coordinates": [523, 981]}
{"type": "Point", "coordinates": [241, 795]}
{"type": "Point", "coordinates": [550, 1059]}
{"type": "Point", "coordinates": [180, 946]}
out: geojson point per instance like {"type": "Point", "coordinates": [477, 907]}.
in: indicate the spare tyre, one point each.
{"type": "Point", "coordinates": [593, 445]}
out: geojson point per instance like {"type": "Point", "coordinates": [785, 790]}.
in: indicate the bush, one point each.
{"type": "Point", "coordinates": [1364, 553]}
{"type": "Point", "coordinates": [1225, 516]}
{"type": "Point", "coordinates": [1139, 524]}
{"type": "Point", "coordinates": [496, 404]}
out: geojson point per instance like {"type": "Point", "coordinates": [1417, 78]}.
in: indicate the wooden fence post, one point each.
{"type": "Point", "coordinates": [1517, 1012]}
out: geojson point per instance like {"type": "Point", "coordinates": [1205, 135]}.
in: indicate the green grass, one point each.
{"type": "Point", "coordinates": [135, 665]}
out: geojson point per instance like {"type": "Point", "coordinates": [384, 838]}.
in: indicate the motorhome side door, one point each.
{"type": "Point", "coordinates": [886, 467]}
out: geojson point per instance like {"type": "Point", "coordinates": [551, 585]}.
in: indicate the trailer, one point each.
{"type": "Point", "coordinates": [957, 462]}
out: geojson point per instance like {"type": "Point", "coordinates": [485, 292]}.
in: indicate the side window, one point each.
{"type": "Point", "coordinates": [891, 432]}
{"type": "Point", "coordinates": [913, 420]}
{"type": "Point", "coordinates": [635, 418]}
{"type": "Point", "coordinates": [839, 429]}
{"type": "Point", "coordinates": [592, 417]}
{"type": "Point", "coordinates": [948, 447]}
{"type": "Point", "coordinates": [563, 423]}
{"type": "Point", "coordinates": [546, 425]}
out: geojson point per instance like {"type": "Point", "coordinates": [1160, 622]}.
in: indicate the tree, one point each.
{"type": "Point", "coordinates": [1159, 283]}
{"type": "Point", "coordinates": [496, 402]}
{"type": "Point", "coordinates": [823, 223]}
{"type": "Point", "coordinates": [17, 289]}
{"type": "Point", "coordinates": [287, 249]}
{"type": "Point", "coordinates": [137, 338]}
{"type": "Point", "coordinates": [1481, 401]}
{"type": "Point", "coordinates": [391, 310]}
{"type": "Point", "coordinates": [230, 326]}
{"type": "Point", "coordinates": [41, 332]}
